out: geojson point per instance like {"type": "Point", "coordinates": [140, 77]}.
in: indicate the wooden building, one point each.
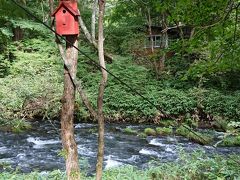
{"type": "Point", "coordinates": [161, 38]}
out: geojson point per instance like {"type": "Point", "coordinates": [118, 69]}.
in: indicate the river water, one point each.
{"type": "Point", "coordinates": [39, 149]}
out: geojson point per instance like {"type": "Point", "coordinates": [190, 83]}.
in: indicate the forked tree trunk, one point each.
{"type": "Point", "coordinates": [68, 101]}
{"type": "Point", "coordinates": [99, 166]}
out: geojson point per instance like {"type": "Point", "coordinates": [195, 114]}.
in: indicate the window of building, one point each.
{"type": "Point", "coordinates": [159, 41]}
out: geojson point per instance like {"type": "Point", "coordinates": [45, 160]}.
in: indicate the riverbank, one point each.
{"type": "Point", "coordinates": [194, 166]}
{"type": "Point", "coordinates": [33, 85]}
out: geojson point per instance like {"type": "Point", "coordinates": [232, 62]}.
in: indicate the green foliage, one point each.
{"type": "Point", "coordinates": [230, 141]}
{"type": "Point", "coordinates": [198, 166]}
{"type": "Point", "coordinates": [190, 166]}
{"type": "Point", "coordinates": [222, 104]}
{"type": "Point", "coordinates": [150, 132]}
{"type": "Point", "coordinates": [33, 86]}
{"type": "Point", "coordinates": [63, 153]}
{"type": "Point", "coordinates": [164, 131]}
{"type": "Point", "coordinates": [167, 123]}
{"type": "Point", "coordinates": [193, 135]}
{"type": "Point", "coordinates": [54, 175]}
{"type": "Point", "coordinates": [15, 125]}
{"type": "Point", "coordinates": [34, 76]}
{"type": "Point", "coordinates": [130, 131]}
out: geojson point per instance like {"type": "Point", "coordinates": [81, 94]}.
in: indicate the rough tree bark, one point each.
{"type": "Point", "coordinates": [68, 101]}
{"type": "Point", "coordinates": [99, 166]}
{"type": "Point", "coordinates": [77, 84]}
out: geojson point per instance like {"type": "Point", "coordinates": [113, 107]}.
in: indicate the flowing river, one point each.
{"type": "Point", "coordinates": [39, 148]}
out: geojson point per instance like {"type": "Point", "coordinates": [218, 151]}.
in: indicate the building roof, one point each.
{"type": "Point", "coordinates": [68, 8]}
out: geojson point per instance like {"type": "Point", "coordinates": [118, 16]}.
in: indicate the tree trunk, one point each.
{"type": "Point", "coordinates": [51, 3]}
{"type": "Point", "coordinates": [165, 44]}
{"type": "Point", "coordinates": [78, 84]}
{"type": "Point", "coordinates": [18, 34]}
{"type": "Point", "coordinates": [68, 101]}
{"type": "Point", "coordinates": [93, 24]}
{"type": "Point", "coordinates": [99, 166]}
{"type": "Point", "coordinates": [150, 29]}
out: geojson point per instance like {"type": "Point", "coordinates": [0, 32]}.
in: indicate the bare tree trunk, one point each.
{"type": "Point", "coordinates": [18, 34]}
{"type": "Point", "coordinates": [150, 29]}
{"type": "Point", "coordinates": [68, 101]}
{"type": "Point", "coordinates": [165, 45]}
{"type": "Point", "coordinates": [99, 166]}
{"type": "Point", "coordinates": [93, 24]}
{"type": "Point", "coordinates": [51, 3]}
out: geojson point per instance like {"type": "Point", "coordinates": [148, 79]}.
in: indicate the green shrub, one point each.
{"type": "Point", "coordinates": [230, 141]}
{"type": "Point", "coordinates": [15, 125]}
{"type": "Point", "coordinates": [190, 166]}
{"type": "Point", "coordinates": [130, 131]}
{"type": "Point", "coordinates": [164, 131]}
{"type": "Point", "coordinates": [150, 132]}
{"type": "Point", "coordinates": [34, 85]}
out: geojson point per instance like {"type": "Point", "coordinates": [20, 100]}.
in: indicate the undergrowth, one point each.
{"type": "Point", "coordinates": [189, 166]}
{"type": "Point", "coordinates": [34, 84]}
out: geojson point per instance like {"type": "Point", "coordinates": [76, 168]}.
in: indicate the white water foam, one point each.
{"type": "Point", "coordinates": [156, 142]}
{"type": "Point", "coordinates": [149, 152]}
{"type": "Point", "coordinates": [84, 125]}
{"type": "Point", "coordinates": [40, 143]}
{"type": "Point", "coordinates": [21, 156]}
{"type": "Point", "coordinates": [168, 149]}
{"type": "Point", "coordinates": [3, 149]}
{"type": "Point", "coordinates": [85, 151]}
{"type": "Point", "coordinates": [171, 139]}
{"type": "Point", "coordinates": [110, 163]}
{"type": "Point", "coordinates": [108, 136]}
{"type": "Point", "coordinates": [133, 158]}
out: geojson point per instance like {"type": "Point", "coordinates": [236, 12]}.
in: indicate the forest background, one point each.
{"type": "Point", "coordinates": [198, 85]}
{"type": "Point", "coordinates": [199, 82]}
